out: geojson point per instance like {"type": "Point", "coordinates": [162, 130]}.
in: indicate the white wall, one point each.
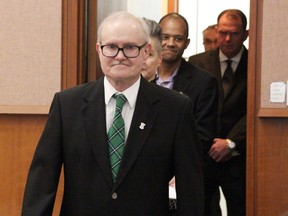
{"type": "Point", "coordinates": [105, 7]}
{"type": "Point", "coordinates": [151, 9]}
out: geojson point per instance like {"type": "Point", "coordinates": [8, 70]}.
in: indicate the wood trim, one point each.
{"type": "Point", "coordinates": [94, 70]}
{"type": "Point", "coordinates": [250, 175]}
{"type": "Point", "coordinates": [273, 112]}
{"type": "Point", "coordinates": [19, 135]}
{"type": "Point", "coordinates": [73, 43]}
{"type": "Point", "coordinates": [25, 109]}
{"type": "Point", "coordinates": [173, 6]}
{"type": "Point", "coordinates": [81, 23]}
{"type": "Point", "coordinates": [91, 40]}
{"type": "Point", "coordinates": [254, 87]}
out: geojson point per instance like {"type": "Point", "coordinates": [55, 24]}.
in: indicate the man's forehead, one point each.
{"type": "Point", "coordinates": [130, 35]}
{"type": "Point", "coordinates": [210, 33]}
{"type": "Point", "coordinates": [173, 32]}
{"type": "Point", "coordinates": [237, 25]}
{"type": "Point", "coordinates": [127, 24]}
{"type": "Point", "coordinates": [226, 18]}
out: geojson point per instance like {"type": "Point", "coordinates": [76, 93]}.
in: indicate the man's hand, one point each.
{"type": "Point", "coordinates": [172, 182]}
{"type": "Point", "coordinates": [219, 150]}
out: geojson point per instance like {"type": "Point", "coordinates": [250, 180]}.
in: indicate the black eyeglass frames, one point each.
{"type": "Point", "coordinates": [129, 51]}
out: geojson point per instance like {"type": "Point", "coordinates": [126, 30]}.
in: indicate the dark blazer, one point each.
{"type": "Point", "coordinates": [75, 136]}
{"type": "Point", "coordinates": [201, 87]}
{"type": "Point", "coordinates": [232, 108]}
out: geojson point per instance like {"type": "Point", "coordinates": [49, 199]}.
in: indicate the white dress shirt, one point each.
{"type": "Point", "coordinates": [128, 108]}
{"type": "Point", "coordinates": [234, 64]}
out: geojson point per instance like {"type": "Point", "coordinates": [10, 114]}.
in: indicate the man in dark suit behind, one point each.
{"type": "Point", "coordinates": [160, 139]}
{"type": "Point", "coordinates": [228, 167]}
{"type": "Point", "coordinates": [181, 76]}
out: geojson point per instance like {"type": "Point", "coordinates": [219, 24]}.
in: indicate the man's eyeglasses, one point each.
{"type": "Point", "coordinates": [208, 41]}
{"type": "Point", "coordinates": [231, 34]}
{"type": "Point", "coordinates": [130, 51]}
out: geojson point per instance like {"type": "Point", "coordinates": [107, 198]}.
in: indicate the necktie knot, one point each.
{"type": "Point", "coordinates": [228, 62]}
{"type": "Point", "coordinates": [120, 101]}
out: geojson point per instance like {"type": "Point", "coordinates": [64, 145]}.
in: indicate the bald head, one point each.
{"type": "Point", "coordinates": [123, 18]}
{"type": "Point", "coordinates": [176, 16]}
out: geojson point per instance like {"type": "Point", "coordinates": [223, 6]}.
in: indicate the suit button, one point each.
{"type": "Point", "coordinates": [114, 195]}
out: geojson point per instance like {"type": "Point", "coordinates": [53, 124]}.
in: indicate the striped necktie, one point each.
{"type": "Point", "coordinates": [116, 136]}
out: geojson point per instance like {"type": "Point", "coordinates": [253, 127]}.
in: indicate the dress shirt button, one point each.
{"type": "Point", "coordinates": [114, 195]}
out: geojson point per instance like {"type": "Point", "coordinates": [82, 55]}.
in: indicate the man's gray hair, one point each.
{"type": "Point", "coordinates": [123, 15]}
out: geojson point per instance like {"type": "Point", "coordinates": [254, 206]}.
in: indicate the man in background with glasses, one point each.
{"type": "Point", "coordinates": [227, 167]}
{"type": "Point", "coordinates": [210, 38]}
{"type": "Point", "coordinates": [148, 130]}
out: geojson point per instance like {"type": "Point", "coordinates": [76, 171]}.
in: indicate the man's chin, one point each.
{"type": "Point", "coordinates": [169, 58]}
{"type": "Point", "coordinates": [169, 53]}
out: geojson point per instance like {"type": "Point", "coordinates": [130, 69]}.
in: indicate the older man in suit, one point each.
{"type": "Point", "coordinates": [156, 139]}
{"type": "Point", "coordinates": [228, 64]}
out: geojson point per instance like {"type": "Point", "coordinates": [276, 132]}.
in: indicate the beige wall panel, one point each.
{"type": "Point", "coordinates": [274, 51]}
{"type": "Point", "coordinates": [30, 54]}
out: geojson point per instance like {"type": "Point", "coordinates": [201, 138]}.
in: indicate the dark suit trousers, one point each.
{"type": "Point", "coordinates": [233, 187]}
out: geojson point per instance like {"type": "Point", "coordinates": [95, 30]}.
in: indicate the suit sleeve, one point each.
{"type": "Point", "coordinates": [206, 113]}
{"type": "Point", "coordinates": [43, 176]}
{"type": "Point", "coordinates": [238, 135]}
{"type": "Point", "coordinates": [187, 165]}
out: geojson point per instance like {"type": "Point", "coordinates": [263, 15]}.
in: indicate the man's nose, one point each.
{"type": "Point", "coordinates": [171, 41]}
{"type": "Point", "coordinates": [228, 37]}
{"type": "Point", "coordinates": [120, 55]}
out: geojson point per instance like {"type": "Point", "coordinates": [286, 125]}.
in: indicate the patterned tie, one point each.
{"type": "Point", "coordinates": [227, 77]}
{"type": "Point", "coordinates": [116, 136]}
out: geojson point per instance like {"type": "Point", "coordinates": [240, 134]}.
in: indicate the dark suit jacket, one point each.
{"type": "Point", "coordinates": [202, 89]}
{"type": "Point", "coordinates": [232, 108]}
{"type": "Point", "coordinates": [75, 136]}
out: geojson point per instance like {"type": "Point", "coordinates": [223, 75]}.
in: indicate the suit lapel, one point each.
{"type": "Point", "coordinates": [182, 79]}
{"type": "Point", "coordinates": [141, 125]}
{"type": "Point", "coordinates": [216, 70]}
{"type": "Point", "coordinates": [93, 115]}
{"type": "Point", "coordinates": [94, 120]}
{"type": "Point", "coordinates": [240, 72]}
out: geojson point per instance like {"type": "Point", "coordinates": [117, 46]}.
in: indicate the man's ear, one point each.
{"type": "Point", "coordinates": [98, 48]}
{"type": "Point", "coordinates": [187, 43]}
{"type": "Point", "coordinates": [246, 34]}
{"type": "Point", "coordinates": [147, 50]}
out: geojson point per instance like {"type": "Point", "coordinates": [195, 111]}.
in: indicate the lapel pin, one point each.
{"type": "Point", "coordinates": [142, 125]}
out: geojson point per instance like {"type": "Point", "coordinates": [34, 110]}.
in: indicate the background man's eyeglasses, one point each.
{"type": "Point", "coordinates": [207, 41]}
{"type": "Point", "coordinates": [231, 34]}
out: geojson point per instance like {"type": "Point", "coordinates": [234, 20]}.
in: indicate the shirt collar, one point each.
{"type": "Point", "coordinates": [236, 58]}
{"type": "Point", "coordinates": [129, 92]}
{"type": "Point", "coordinates": [170, 78]}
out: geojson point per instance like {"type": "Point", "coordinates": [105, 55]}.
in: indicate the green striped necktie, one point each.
{"type": "Point", "coordinates": [116, 136]}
